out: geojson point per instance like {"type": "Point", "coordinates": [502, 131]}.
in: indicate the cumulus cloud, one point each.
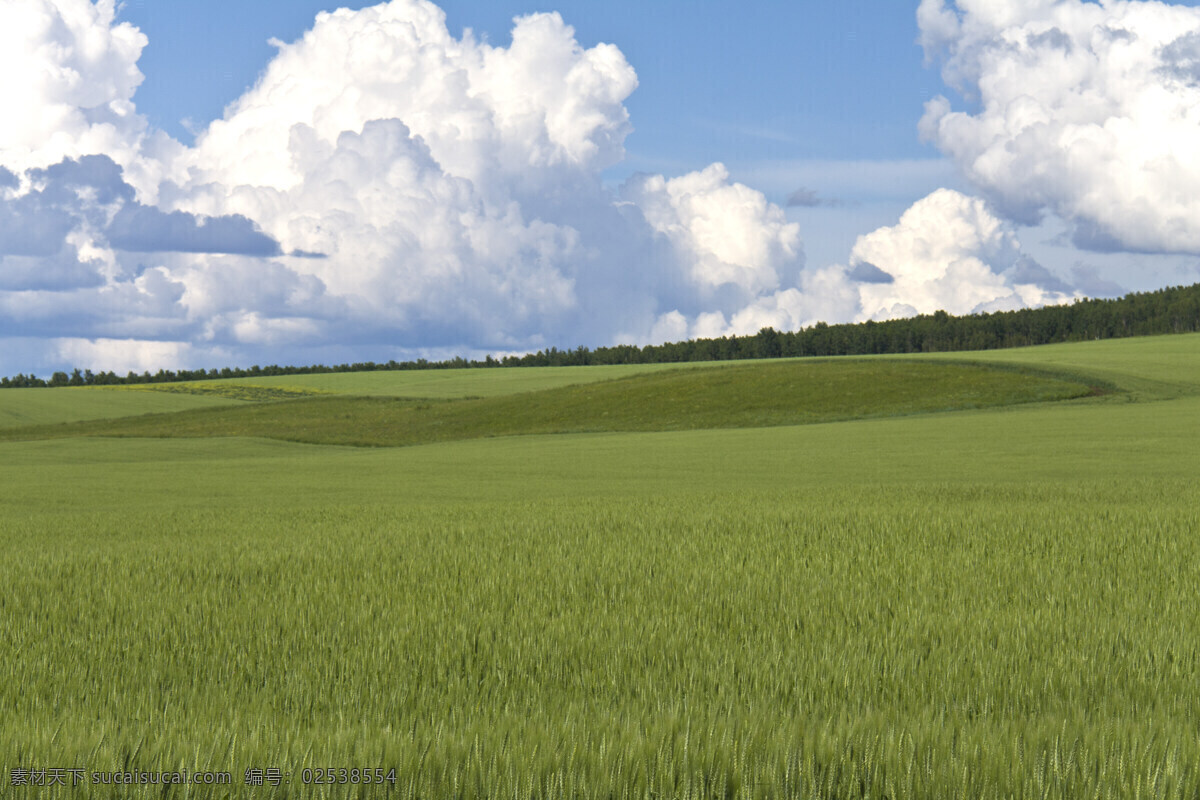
{"type": "Point", "coordinates": [1087, 110]}
{"type": "Point", "coordinates": [83, 210]}
{"type": "Point", "coordinates": [144, 229]}
{"type": "Point", "coordinates": [451, 187]}
{"type": "Point", "coordinates": [542, 104]}
{"type": "Point", "coordinates": [412, 245]}
{"type": "Point", "coordinates": [388, 190]}
{"type": "Point", "coordinates": [454, 187]}
{"type": "Point", "coordinates": [866, 272]}
{"type": "Point", "coordinates": [947, 252]}
{"type": "Point", "coordinates": [124, 355]}
{"type": "Point", "coordinates": [730, 235]}
{"type": "Point", "coordinates": [820, 295]}
{"type": "Point", "coordinates": [384, 184]}
{"type": "Point", "coordinates": [73, 240]}
{"type": "Point", "coordinates": [27, 228]}
{"type": "Point", "coordinates": [71, 73]}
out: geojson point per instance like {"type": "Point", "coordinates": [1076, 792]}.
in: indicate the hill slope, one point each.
{"type": "Point", "coordinates": [20, 407]}
{"type": "Point", "coordinates": [742, 396]}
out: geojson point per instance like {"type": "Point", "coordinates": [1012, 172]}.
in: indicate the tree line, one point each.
{"type": "Point", "coordinates": [1175, 309]}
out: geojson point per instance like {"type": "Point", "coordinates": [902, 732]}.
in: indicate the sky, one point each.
{"type": "Point", "coordinates": [188, 185]}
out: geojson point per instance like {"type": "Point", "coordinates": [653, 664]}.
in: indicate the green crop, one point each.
{"type": "Point", "coordinates": [455, 383]}
{"type": "Point", "coordinates": [21, 407]}
{"type": "Point", "coordinates": [992, 602]}
{"type": "Point", "coordinates": [744, 396]}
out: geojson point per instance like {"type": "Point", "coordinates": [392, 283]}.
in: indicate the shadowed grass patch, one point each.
{"type": "Point", "coordinates": [249, 392]}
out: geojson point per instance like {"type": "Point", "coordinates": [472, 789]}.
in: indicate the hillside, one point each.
{"type": "Point", "coordinates": [742, 396]}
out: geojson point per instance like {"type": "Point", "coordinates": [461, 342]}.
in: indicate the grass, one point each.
{"type": "Point", "coordinates": [1145, 365]}
{"type": "Point", "coordinates": [742, 396]}
{"type": "Point", "coordinates": [20, 407]}
{"type": "Point", "coordinates": [231, 391]}
{"type": "Point", "coordinates": [653, 646]}
{"type": "Point", "coordinates": [1147, 368]}
{"type": "Point", "coordinates": [990, 602]}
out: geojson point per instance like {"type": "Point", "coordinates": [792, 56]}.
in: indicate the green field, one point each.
{"type": "Point", "coordinates": [908, 602]}
{"type": "Point", "coordinates": [451, 383]}
{"type": "Point", "coordinates": [743, 396]}
{"type": "Point", "coordinates": [20, 407]}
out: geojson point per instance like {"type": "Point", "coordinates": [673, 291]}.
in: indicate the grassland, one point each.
{"type": "Point", "coordinates": [19, 407]}
{"type": "Point", "coordinates": [989, 602]}
{"type": "Point", "coordinates": [448, 384]}
{"type": "Point", "coordinates": [743, 396]}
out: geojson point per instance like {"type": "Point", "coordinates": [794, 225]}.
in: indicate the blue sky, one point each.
{"type": "Point", "coordinates": [187, 184]}
{"type": "Point", "coordinates": [718, 81]}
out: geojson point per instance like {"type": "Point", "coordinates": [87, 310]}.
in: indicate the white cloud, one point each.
{"type": "Point", "coordinates": [404, 241]}
{"type": "Point", "coordinates": [946, 252]}
{"type": "Point", "coordinates": [1087, 110]}
{"type": "Point", "coordinates": [821, 295]}
{"type": "Point", "coordinates": [542, 103]}
{"type": "Point", "coordinates": [729, 232]}
{"type": "Point", "coordinates": [386, 184]}
{"type": "Point", "coordinates": [454, 188]}
{"type": "Point", "coordinates": [446, 182]}
{"type": "Point", "coordinates": [70, 76]}
{"type": "Point", "coordinates": [127, 355]}
{"type": "Point", "coordinates": [389, 190]}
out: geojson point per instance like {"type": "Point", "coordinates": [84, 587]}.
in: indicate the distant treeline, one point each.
{"type": "Point", "coordinates": [1170, 310]}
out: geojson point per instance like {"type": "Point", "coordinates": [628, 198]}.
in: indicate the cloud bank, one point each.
{"type": "Point", "coordinates": [947, 252]}
{"type": "Point", "coordinates": [387, 190]}
{"type": "Point", "coordinates": [1087, 110]}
